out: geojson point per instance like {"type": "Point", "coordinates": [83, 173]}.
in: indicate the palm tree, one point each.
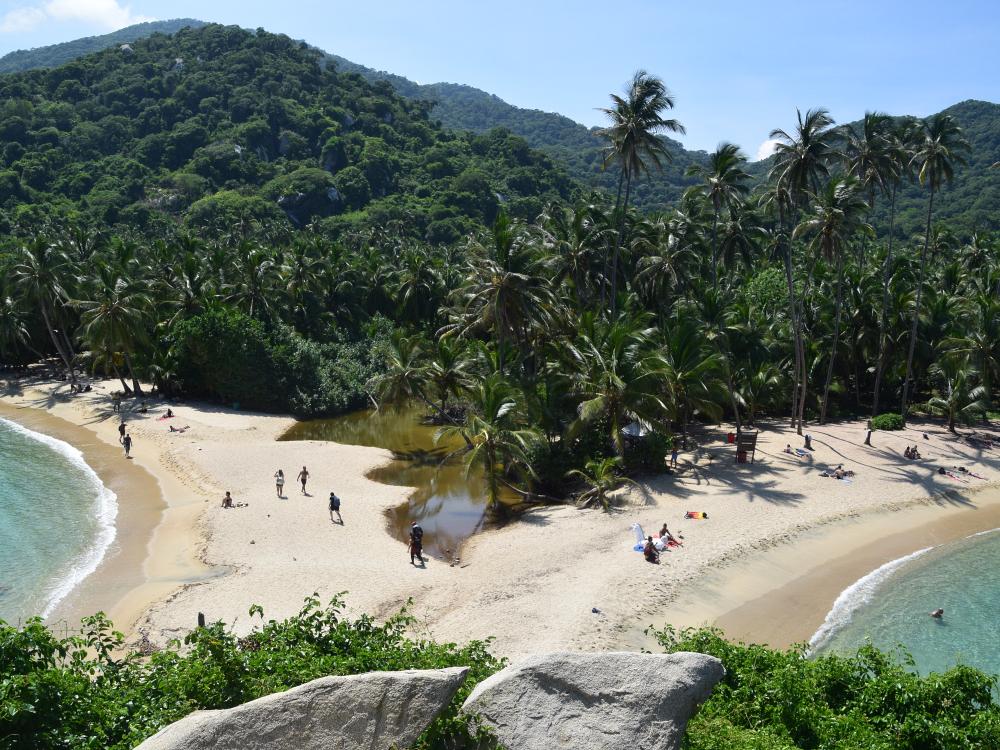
{"type": "Point", "coordinates": [571, 238]}
{"type": "Point", "coordinates": [495, 433]}
{"type": "Point", "coordinates": [936, 156]}
{"type": "Point", "coordinates": [636, 121]}
{"type": "Point", "coordinates": [838, 215]}
{"type": "Point", "coordinates": [447, 371]}
{"type": "Point", "coordinates": [897, 167]}
{"type": "Point", "coordinates": [692, 373]}
{"type": "Point", "coordinates": [960, 399]}
{"type": "Point", "coordinates": [618, 377]}
{"type": "Point", "coordinates": [725, 185]}
{"type": "Point", "coordinates": [503, 294]}
{"type": "Point", "coordinates": [40, 273]}
{"type": "Point", "coordinates": [602, 477]}
{"type": "Point", "coordinates": [13, 321]}
{"type": "Point", "coordinates": [115, 319]}
{"type": "Point", "coordinates": [253, 270]}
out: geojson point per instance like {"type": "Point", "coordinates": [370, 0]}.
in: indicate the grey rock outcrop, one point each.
{"type": "Point", "coordinates": [374, 711]}
{"type": "Point", "coordinates": [595, 701]}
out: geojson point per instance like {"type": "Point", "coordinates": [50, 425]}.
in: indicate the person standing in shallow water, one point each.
{"type": "Point", "coordinates": [303, 477]}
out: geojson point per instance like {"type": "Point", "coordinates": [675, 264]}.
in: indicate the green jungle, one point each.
{"type": "Point", "coordinates": [232, 215]}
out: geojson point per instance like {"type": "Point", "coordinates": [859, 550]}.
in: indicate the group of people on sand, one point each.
{"type": "Point", "coordinates": [279, 481]}
{"type": "Point", "coordinates": [912, 454]}
{"type": "Point", "coordinates": [838, 473]}
{"type": "Point", "coordinates": [654, 546]}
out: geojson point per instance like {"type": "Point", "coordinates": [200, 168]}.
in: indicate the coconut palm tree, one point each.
{"type": "Point", "coordinates": [602, 477]}
{"type": "Point", "coordinates": [959, 398]}
{"type": "Point", "coordinates": [496, 434]}
{"type": "Point", "coordinates": [802, 158]}
{"type": "Point", "coordinates": [571, 239]}
{"type": "Point", "coordinates": [618, 377]}
{"type": "Point", "coordinates": [937, 153]}
{"type": "Point", "coordinates": [40, 273]}
{"type": "Point", "coordinates": [633, 142]}
{"type": "Point", "coordinates": [837, 217]}
{"type": "Point", "coordinates": [115, 318]}
{"type": "Point", "coordinates": [725, 184]}
{"type": "Point", "coordinates": [692, 374]}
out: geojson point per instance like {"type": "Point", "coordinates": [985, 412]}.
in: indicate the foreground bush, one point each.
{"type": "Point", "coordinates": [777, 700]}
{"type": "Point", "coordinates": [887, 421]}
{"type": "Point", "coordinates": [83, 693]}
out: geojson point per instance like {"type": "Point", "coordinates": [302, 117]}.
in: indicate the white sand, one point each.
{"type": "Point", "coordinates": [532, 584]}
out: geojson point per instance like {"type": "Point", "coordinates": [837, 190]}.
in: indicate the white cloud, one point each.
{"type": "Point", "coordinates": [107, 14]}
{"type": "Point", "coordinates": [765, 149]}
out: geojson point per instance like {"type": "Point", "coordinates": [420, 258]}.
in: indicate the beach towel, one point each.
{"type": "Point", "coordinates": [697, 515]}
{"type": "Point", "coordinates": [799, 452]}
{"type": "Point", "coordinates": [845, 480]}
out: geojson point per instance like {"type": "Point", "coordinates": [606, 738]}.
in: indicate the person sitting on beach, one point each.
{"type": "Point", "coordinates": [667, 537]}
{"type": "Point", "coordinates": [170, 413]}
{"type": "Point", "coordinates": [649, 551]}
{"type": "Point", "coordinates": [227, 501]}
{"type": "Point", "coordinates": [937, 613]}
{"type": "Point", "coordinates": [907, 453]}
{"type": "Point", "coordinates": [915, 454]}
{"type": "Point", "coordinates": [788, 449]}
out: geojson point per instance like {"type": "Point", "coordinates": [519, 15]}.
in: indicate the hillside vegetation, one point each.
{"type": "Point", "coordinates": [218, 125]}
{"type": "Point", "coordinates": [969, 204]}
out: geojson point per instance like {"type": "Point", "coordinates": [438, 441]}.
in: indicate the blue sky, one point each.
{"type": "Point", "coordinates": [737, 69]}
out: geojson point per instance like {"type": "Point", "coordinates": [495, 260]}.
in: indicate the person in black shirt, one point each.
{"type": "Point", "coordinates": [416, 543]}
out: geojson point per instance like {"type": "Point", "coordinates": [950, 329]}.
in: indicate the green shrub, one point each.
{"type": "Point", "coordinates": [773, 700]}
{"type": "Point", "coordinates": [887, 421]}
{"type": "Point", "coordinates": [649, 453]}
{"type": "Point", "coordinates": [82, 692]}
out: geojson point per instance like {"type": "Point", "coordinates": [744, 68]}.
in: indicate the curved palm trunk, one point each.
{"type": "Point", "coordinates": [884, 322]}
{"type": "Point", "coordinates": [58, 343]}
{"type": "Point", "coordinates": [916, 310]}
{"type": "Point", "coordinates": [836, 337]}
{"type": "Point", "coordinates": [136, 388]}
{"type": "Point", "coordinates": [715, 250]}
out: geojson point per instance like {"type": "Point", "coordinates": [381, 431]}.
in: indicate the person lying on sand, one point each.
{"type": "Point", "coordinates": [180, 429]}
{"type": "Point", "coordinates": [838, 473]}
{"type": "Point", "coordinates": [650, 553]}
{"type": "Point", "coordinates": [953, 475]}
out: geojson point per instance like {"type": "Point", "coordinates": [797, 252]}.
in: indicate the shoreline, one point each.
{"type": "Point", "coordinates": [781, 596]}
{"type": "Point", "coordinates": [570, 572]}
{"type": "Point", "coordinates": [155, 543]}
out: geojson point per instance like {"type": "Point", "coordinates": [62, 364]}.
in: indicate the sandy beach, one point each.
{"type": "Point", "coordinates": [778, 534]}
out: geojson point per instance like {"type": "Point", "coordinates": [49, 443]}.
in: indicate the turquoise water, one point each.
{"type": "Point", "coordinates": [890, 606]}
{"type": "Point", "coordinates": [56, 521]}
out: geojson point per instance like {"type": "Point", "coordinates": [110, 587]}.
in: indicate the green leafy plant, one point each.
{"type": "Point", "coordinates": [887, 421]}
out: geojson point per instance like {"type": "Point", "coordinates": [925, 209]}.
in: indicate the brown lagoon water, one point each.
{"type": "Point", "coordinates": [450, 505]}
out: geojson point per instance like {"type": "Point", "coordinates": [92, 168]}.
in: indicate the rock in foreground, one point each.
{"type": "Point", "coordinates": [374, 711]}
{"type": "Point", "coordinates": [595, 701]}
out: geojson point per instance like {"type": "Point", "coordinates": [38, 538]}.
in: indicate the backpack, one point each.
{"type": "Point", "coordinates": [418, 534]}
{"type": "Point", "coordinates": [334, 503]}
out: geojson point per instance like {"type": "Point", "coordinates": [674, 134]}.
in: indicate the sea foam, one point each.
{"type": "Point", "coordinates": [105, 512]}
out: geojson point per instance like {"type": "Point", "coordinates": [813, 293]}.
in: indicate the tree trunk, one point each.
{"type": "Point", "coordinates": [796, 335]}
{"type": "Point", "coordinates": [137, 389]}
{"type": "Point", "coordinates": [715, 250]}
{"type": "Point", "coordinates": [732, 396]}
{"type": "Point", "coordinates": [884, 322]}
{"type": "Point", "coordinates": [916, 308]}
{"type": "Point", "coordinates": [618, 246]}
{"type": "Point", "coordinates": [117, 372]}
{"type": "Point", "coordinates": [836, 337]}
{"type": "Point", "coordinates": [614, 215]}
{"type": "Point", "coordinates": [54, 335]}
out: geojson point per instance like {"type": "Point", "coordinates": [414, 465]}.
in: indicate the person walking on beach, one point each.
{"type": "Point", "coordinates": [673, 455]}
{"type": "Point", "coordinates": [127, 444]}
{"type": "Point", "coordinates": [303, 477]}
{"type": "Point", "coordinates": [121, 431]}
{"type": "Point", "coordinates": [416, 543]}
{"type": "Point", "coordinates": [116, 404]}
{"type": "Point", "coordinates": [279, 482]}
{"type": "Point", "coordinates": [335, 508]}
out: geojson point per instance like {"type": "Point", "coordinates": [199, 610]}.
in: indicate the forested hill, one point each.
{"type": "Point", "coordinates": [579, 148]}
{"type": "Point", "coordinates": [215, 125]}
{"type": "Point", "coordinates": [59, 54]}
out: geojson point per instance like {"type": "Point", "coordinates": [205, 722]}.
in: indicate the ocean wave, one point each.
{"type": "Point", "coordinates": [105, 512]}
{"type": "Point", "coordinates": [857, 595]}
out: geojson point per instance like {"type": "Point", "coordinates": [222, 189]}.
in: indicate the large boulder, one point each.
{"type": "Point", "coordinates": [374, 711]}
{"type": "Point", "coordinates": [595, 701]}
